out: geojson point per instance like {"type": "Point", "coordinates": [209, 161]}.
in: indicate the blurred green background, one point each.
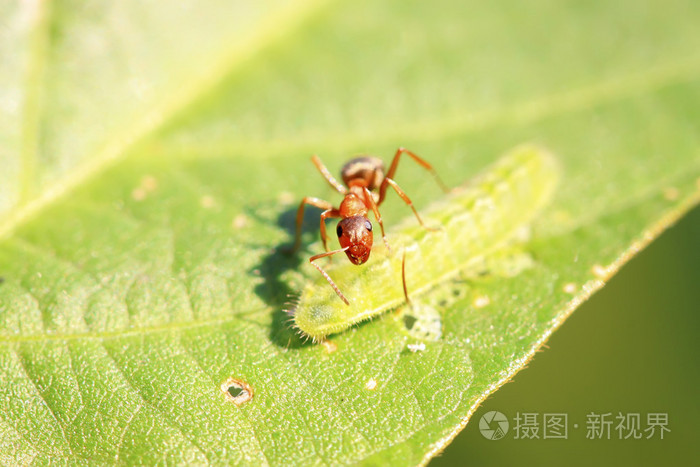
{"type": "Point", "coordinates": [632, 348]}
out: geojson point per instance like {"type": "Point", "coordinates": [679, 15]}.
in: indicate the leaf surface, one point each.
{"type": "Point", "coordinates": [150, 167]}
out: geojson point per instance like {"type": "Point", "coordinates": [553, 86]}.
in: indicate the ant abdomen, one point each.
{"type": "Point", "coordinates": [368, 170]}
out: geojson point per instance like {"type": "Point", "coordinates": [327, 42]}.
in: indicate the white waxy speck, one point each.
{"type": "Point", "coordinates": [371, 384]}
{"type": "Point", "coordinates": [599, 271]}
{"type": "Point", "coordinates": [481, 301]}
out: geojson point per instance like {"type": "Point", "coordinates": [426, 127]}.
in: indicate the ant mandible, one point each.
{"type": "Point", "coordinates": [365, 189]}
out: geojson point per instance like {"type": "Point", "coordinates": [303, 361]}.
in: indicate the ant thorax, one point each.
{"type": "Point", "coordinates": [354, 203]}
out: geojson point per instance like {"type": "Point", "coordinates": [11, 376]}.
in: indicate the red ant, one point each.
{"type": "Point", "coordinates": [366, 184]}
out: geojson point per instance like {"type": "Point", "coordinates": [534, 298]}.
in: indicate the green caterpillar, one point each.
{"type": "Point", "coordinates": [474, 221]}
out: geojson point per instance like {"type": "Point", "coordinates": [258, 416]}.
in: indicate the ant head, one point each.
{"type": "Point", "coordinates": [356, 233]}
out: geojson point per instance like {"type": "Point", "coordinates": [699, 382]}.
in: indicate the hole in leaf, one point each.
{"type": "Point", "coordinates": [409, 321]}
{"type": "Point", "coordinates": [423, 322]}
{"type": "Point", "coordinates": [237, 391]}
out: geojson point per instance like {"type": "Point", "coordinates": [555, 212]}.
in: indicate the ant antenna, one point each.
{"type": "Point", "coordinates": [403, 278]}
{"type": "Point", "coordinates": [325, 274]}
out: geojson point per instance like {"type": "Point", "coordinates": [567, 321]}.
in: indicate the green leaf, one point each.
{"type": "Point", "coordinates": [151, 160]}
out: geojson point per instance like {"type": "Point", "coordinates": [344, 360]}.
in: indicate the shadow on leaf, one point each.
{"type": "Point", "coordinates": [274, 290]}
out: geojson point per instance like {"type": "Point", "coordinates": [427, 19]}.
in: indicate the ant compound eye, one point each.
{"type": "Point", "coordinates": [368, 225]}
{"type": "Point", "coordinates": [339, 230]}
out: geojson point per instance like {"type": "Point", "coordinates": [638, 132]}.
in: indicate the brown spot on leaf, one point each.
{"type": "Point", "coordinates": [329, 346]}
{"type": "Point", "coordinates": [240, 221]}
{"type": "Point", "coordinates": [671, 193]}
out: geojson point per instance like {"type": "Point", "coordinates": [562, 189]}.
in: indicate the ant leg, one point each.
{"type": "Point", "coordinates": [325, 274]}
{"type": "Point", "coordinates": [319, 203]}
{"type": "Point", "coordinates": [408, 201]}
{"type": "Point", "coordinates": [375, 210]}
{"type": "Point", "coordinates": [327, 175]}
{"type": "Point", "coordinates": [395, 164]}
{"type": "Point", "coordinates": [327, 214]}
